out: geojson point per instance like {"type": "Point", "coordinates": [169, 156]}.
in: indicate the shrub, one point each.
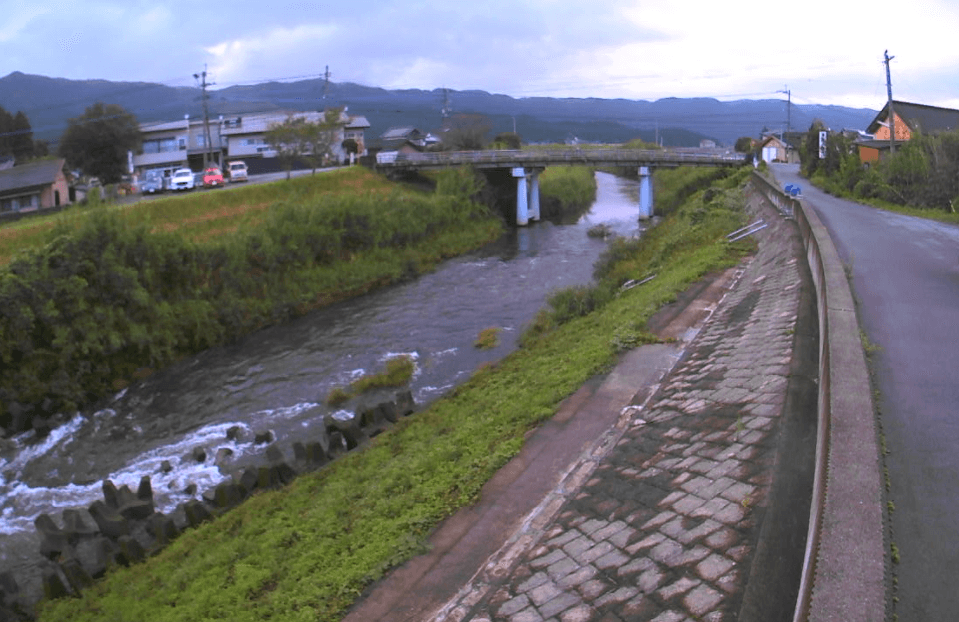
{"type": "Point", "coordinates": [488, 338]}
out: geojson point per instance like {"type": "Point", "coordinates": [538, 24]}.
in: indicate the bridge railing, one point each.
{"type": "Point", "coordinates": [515, 157]}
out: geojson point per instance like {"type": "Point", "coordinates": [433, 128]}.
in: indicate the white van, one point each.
{"type": "Point", "coordinates": [237, 171]}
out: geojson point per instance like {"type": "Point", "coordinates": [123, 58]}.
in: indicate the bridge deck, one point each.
{"type": "Point", "coordinates": [558, 157]}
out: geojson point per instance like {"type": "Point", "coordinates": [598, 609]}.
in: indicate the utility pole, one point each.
{"type": "Point", "coordinates": [788, 108]}
{"type": "Point", "coordinates": [892, 115]}
{"type": "Point", "coordinates": [206, 116]}
{"type": "Point", "coordinates": [447, 106]}
{"type": "Point", "coordinates": [326, 81]}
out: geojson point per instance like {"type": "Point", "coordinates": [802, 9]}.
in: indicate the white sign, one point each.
{"type": "Point", "coordinates": [822, 145]}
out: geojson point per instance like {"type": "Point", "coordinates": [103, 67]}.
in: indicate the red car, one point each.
{"type": "Point", "coordinates": [212, 177]}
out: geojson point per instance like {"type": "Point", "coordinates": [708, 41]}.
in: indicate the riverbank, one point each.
{"type": "Point", "coordinates": [101, 297]}
{"type": "Point", "coordinates": [310, 549]}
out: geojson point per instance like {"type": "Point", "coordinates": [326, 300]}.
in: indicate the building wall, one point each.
{"type": "Point", "coordinates": [868, 155]}
{"type": "Point", "coordinates": [902, 131]}
{"type": "Point", "coordinates": [177, 144]}
{"type": "Point", "coordinates": [57, 193]}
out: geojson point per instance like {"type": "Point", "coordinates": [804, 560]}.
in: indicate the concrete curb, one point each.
{"type": "Point", "coordinates": [844, 568]}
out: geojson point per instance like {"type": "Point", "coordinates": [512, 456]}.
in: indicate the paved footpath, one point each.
{"type": "Point", "coordinates": [663, 520]}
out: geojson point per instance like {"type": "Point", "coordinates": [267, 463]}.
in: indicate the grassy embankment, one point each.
{"type": "Point", "coordinates": [98, 296]}
{"type": "Point", "coordinates": [306, 552]}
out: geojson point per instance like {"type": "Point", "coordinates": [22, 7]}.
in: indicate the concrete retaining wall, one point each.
{"type": "Point", "coordinates": [845, 562]}
{"type": "Point", "coordinates": [125, 528]}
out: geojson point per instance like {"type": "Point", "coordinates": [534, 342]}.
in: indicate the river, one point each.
{"type": "Point", "coordinates": [277, 378]}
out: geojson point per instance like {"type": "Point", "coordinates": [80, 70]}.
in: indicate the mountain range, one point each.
{"type": "Point", "coordinates": [682, 122]}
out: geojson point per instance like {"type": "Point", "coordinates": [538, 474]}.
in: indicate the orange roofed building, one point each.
{"type": "Point", "coordinates": [909, 119]}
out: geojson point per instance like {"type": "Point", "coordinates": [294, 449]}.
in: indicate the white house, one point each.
{"type": "Point", "coordinates": [170, 145]}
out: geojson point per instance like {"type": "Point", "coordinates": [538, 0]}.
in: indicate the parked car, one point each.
{"type": "Point", "coordinates": [151, 184]}
{"type": "Point", "coordinates": [237, 171]}
{"type": "Point", "coordinates": [213, 177]}
{"type": "Point", "coordinates": [182, 180]}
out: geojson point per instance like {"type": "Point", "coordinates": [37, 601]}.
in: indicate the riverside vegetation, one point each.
{"type": "Point", "coordinates": [306, 552]}
{"type": "Point", "coordinates": [94, 298]}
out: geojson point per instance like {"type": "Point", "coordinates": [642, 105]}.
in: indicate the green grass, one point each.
{"type": "Point", "coordinates": [199, 216]}
{"type": "Point", "coordinates": [487, 339]}
{"type": "Point", "coordinates": [307, 552]}
{"type": "Point", "coordinates": [831, 187]}
{"type": "Point", "coordinates": [397, 372]}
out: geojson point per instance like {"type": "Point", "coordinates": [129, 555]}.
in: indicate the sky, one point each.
{"type": "Point", "coordinates": [820, 51]}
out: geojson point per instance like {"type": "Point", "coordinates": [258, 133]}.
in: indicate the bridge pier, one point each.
{"type": "Point", "coordinates": [527, 194]}
{"type": "Point", "coordinates": [645, 193]}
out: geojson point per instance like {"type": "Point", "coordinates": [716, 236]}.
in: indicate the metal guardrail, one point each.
{"type": "Point", "coordinates": [506, 158]}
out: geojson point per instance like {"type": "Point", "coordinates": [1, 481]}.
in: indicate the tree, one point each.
{"type": "Point", "coordinates": [98, 141]}
{"type": "Point", "coordinates": [320, 138]}
{"type": "Point", "coordinates": [465, 132]}
{"type": "Point", "coordinates": [298, 137]}
{"type": "Point", "coordinates": [809, 151]}
{"type": "Point", "coordinates": [21, 141]}
{"type": "Point", "coordinates": [287, 139]}
{"type": "Point", "coordinates": [744, 144]}
{"type": "Point", "coordinates": [507, 140]}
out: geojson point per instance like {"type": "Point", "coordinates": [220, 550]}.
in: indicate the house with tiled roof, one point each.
{"type": "Point", "coordinates": [908, 119]}
{"type": "Point", "coordinates": [33, 186]}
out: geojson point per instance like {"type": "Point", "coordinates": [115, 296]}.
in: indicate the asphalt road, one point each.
{"type": "Point", "coordinates": [905, 277]}
{"type": "Point", "coordinates": [253, 179]}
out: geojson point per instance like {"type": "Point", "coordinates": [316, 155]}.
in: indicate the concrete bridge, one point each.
{"type": "Point", "coordinates": [526, 165]}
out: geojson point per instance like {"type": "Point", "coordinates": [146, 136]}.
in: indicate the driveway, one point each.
{"type": "Point", "coordinates": [905, 277]}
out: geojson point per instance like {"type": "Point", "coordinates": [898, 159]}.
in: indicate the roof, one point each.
{"type": "Point", "coordinates": [30, 175]}
{"type": "Point", "coordinates": [401, 133]}
{"type": "Point", "coordinates": [919, 117]}
{"type": "Point", "coordinates": [357, 123]}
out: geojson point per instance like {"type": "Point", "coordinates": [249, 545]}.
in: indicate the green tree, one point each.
{"type": "Point", "coordinates": [465, 132]}
{"type": "Point", "coordinates": [98, 141]}
{"type": "Point", "coordinates": [288, 140]}
{"type": "Point", "coordinates": [319, 139]}
{"type": "Point", "coordinates": [744, 144]}
{"type": "Point", "coordinates": [6, 133]}
{"type": "Point", "coordinates": [21, 141]}
{"type": "Point", "coordinates": [809, 151]}
{"type": "Point", "coordinates": [507, 140]}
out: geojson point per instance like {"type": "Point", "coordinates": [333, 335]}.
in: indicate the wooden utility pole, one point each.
{"type": "Point", "coordinates": [892, 114]}
{"type": "Point", "coordinates": [206, 116]}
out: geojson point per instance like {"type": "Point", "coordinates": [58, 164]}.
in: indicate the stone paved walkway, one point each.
{"type": "Point", "coordinates": [663, 522]}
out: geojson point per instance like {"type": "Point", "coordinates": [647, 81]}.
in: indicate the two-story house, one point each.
{"type": "Point", "coordinates": [170, 145]}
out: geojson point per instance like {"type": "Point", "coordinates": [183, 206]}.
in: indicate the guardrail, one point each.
{"type": "Point", "coordinates": [510, 157]}
{"type": "Point", "coordinates": [843, 575]}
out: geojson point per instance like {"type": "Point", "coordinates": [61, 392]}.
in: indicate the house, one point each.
{"type": "Point", "coordinates": [170, 145]}
{"type": "Point", "coordinates": [395, 137]}
{"type": "Point", "coordinates": [908, 119]}
{"type": "Point", "coordinates": [33, 186]}
{"type": "Point", "coordinates": [774, 149]}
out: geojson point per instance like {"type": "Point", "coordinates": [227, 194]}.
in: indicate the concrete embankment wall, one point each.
{"type": "Point", "coordinates": [845, 563]}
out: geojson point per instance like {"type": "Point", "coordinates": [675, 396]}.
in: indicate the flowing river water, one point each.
{"type": "Point", "coordinates": [277, 379]}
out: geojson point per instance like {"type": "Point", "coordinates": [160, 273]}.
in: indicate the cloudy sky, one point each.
{"type": "Point", "coordinates": [822, 51]}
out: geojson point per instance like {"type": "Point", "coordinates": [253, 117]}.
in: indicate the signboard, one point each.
{"type": "Point", "coordinates": [822, 145]}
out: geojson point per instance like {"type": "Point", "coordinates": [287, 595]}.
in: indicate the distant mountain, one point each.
{"type": "Point", "coordinates": [50, 102]}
